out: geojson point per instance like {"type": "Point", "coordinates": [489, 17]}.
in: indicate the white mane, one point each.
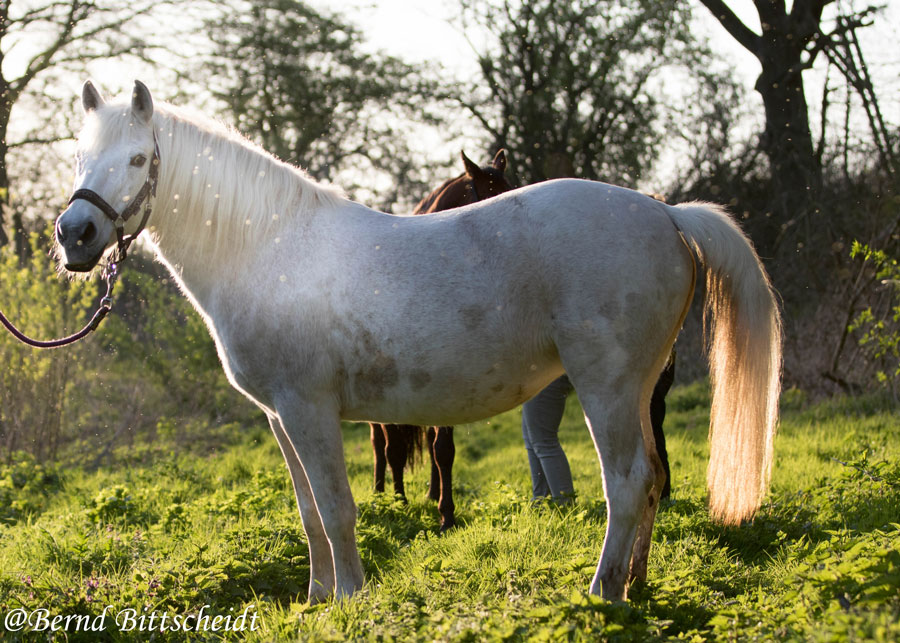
{"type": "Point", "coordinates": [218, 189]}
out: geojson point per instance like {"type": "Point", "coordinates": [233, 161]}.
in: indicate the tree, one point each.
{"type": "Point", "coordinates": [788, 44]}
{"type": "Point", "coordinates": [298, 82]}
{"type": "Point", "coordinates": [39, 39]}
{"type": "Point", "coordinates": [574, 88]}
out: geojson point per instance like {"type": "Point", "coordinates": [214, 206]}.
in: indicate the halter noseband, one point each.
{"type": "Point", "coordinates": [142, 199]}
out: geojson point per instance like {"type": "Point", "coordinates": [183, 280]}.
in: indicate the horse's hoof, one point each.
{"type": "Point", "coordinates": [447, 526]}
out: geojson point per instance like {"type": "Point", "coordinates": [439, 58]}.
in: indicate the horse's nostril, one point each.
{"type": "Point", "coordinates": [60, 235]}
{"type": "Point", "coordinates": [90, 231]}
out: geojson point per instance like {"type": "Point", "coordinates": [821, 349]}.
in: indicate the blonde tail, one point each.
{"type": "Point", "coordinates": [744, 345]}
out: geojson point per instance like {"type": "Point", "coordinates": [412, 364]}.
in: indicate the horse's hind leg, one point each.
{"type": "Point", "coordinates": [396, 452]}
{"type": "Point", "coordinates": [658, 415]}
{"type": "Point", "coordinates": [379, 442]}
{"type": "Point", "coordinates": [434, 486]}
{"type": "Point", "coordinates": [659, 472]}
{"type": "Point", "coordinates": [613, 417]}
{"type": "Point", "coordinates": [321, 566]}
{"type": "Point", "coordinates": [443, 453]}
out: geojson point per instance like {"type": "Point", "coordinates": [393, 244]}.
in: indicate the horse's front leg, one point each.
{"type": "Point", "coordinates": [314, 430]}
{"type": "Point", "coordinates": [321, 566]}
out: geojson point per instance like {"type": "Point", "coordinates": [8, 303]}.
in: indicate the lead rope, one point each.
{"type": "Point", "coordinates": [110, 273]}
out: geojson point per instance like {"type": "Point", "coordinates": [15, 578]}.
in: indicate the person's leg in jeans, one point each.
{"type": "Point", "coordinates": [541, 415]}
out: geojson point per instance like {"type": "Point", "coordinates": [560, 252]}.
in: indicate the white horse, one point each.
{"type": "Point", "coordinates": [322, 310]}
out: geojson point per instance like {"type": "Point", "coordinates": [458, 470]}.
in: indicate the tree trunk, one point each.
{"type": "Point", "coordinates": [786, 141]}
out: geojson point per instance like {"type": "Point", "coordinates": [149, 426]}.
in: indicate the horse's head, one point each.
{"type": "Point", "coordinates": [116, 164]}
{"type": "Point", "coordinates": [489, 180]}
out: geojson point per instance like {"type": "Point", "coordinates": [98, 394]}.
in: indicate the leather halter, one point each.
{"type": "Point", "coordinates": [143, 199]}
{"type": "Point", "coordinates": [474, 189]}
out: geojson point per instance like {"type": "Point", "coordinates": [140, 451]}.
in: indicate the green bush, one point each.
{"type": "Point", "coordinates": [25, 486]}
{"type": "Point", "coordinates": [33, 383]}
{"type": "Point", "coordinates": [879, 327]}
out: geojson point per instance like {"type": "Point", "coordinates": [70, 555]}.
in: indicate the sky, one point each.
{"type": "Point", "coordinates": [424, 30]}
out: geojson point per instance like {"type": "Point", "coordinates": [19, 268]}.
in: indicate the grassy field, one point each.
{"type": "Point", "coordinates": [165, 533]}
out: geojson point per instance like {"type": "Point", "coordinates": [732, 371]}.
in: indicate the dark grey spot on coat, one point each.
{"type": "Point", "coordinates": [370, 383]}
{"type": "Point", "coordinates": [419, 379]}
{"type": "Point", "coordinates": [472, 316]}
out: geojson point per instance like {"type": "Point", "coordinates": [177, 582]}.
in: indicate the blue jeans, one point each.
{"type": "Point", "coordinates": [550, 473]}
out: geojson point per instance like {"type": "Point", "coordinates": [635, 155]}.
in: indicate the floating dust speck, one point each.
{"type": "Point", "coordinates": [282, 278]}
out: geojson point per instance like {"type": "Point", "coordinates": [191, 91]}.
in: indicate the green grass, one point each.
{"type": "Point", "coordinates": [172, 533]}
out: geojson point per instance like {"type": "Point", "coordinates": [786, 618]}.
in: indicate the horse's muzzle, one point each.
{"type": "Point", "coordinates": [81, 238]}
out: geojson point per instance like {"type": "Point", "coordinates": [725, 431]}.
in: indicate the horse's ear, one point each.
{"type": "Point", "coordinates": [499, 161]}
{"type": "Point", "coordinates": [141, 102]}
{"type": "Point", "coordinates": [472, 170]}
{"type": "Point", "coordinates": [90, 97]}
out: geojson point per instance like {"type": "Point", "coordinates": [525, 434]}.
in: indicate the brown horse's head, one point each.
{"type": "Point", "coordinates": [489, 180]}
{"type": "Point", "coordinates": [475, 184]}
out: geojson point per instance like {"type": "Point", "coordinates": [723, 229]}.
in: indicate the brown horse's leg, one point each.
{"type": "Point", "coordinates": [444, 452]}
{"type": "Point", "coordinates": [378, 446]}
{"type": "Point", "coordinates": [657, 415]}
{"type": "Point", "coordinates": [396, 454]}
{"type": "Point", "coordinates": [434, 487]}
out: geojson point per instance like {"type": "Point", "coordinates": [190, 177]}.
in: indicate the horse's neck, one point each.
{"type": "Point", "coordinates": [219, 200]}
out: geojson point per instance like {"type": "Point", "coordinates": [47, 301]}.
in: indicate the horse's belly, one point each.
{"type": "Point", "coordinates": [439, 397]}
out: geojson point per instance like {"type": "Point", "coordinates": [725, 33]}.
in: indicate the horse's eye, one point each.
{"type": "Point", "coordinates": [138, 160]}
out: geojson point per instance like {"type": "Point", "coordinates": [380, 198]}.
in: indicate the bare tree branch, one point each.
{"type": "Point", "coordinates": [738, 30]}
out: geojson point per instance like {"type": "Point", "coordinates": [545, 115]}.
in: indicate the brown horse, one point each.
{"type": "Point", "coordinates": [397, 444]}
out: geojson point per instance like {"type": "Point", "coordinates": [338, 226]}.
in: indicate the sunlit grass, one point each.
{"type": "Point", "coordinates": [174, 532]}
